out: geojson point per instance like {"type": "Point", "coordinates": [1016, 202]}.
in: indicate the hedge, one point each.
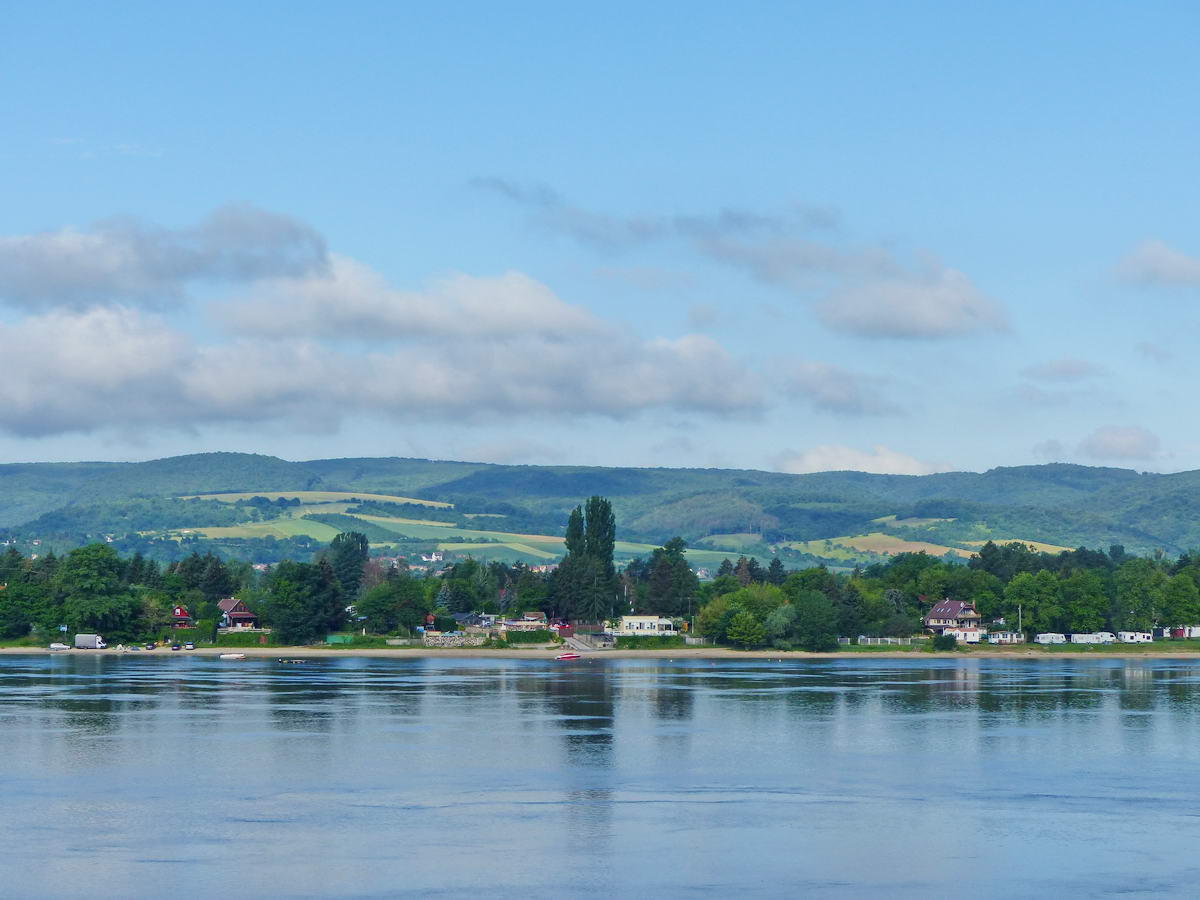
{"type": "Point", "coordinates": [651, 642]}
{"type": "Point", "coordinates": [541, 636]}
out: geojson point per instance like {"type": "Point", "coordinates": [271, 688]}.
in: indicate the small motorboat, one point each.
{"type": "Point", "coordinates": [294, 662]}
{"type": "Point", "coordinates": [232, 656]}
{"type": "Point", "coordinates": [566, 656]}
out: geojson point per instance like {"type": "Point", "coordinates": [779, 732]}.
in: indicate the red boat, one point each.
{"type": "Point", "coordinates": [567, 656]}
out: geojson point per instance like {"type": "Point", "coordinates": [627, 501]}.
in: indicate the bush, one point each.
{"type": "Point", "coordinates": [945, 642]}
{"type": "Point", "coordinates": [233, 639]}
{"type": "Point", "coordinates": [651, 642]}
{"type": "Point", "coordinates": [541, 636]}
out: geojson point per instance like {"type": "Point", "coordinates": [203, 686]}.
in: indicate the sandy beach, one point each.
{"type": "Point", "coordinates": [713, 653]}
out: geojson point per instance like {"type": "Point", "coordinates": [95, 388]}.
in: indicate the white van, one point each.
{"type": "Point", "coordinates": [1050, 637]}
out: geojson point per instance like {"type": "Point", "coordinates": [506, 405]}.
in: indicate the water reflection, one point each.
{"type": "Point", "coordinates": [507, 777]}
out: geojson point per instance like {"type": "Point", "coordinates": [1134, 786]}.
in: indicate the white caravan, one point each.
{"type": "Point", "coordinates": [1050, 637]}
{"type": "Point", "coordinates": [1135, 637]}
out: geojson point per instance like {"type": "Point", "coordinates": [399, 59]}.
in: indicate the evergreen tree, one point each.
{"type": "Point", "coordinates": [776, 573]}
{"type": "Point", "coordinates": [348, 553]}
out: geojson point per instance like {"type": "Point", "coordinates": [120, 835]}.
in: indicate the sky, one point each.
{"type": "Point", "coordinates": [890, 237]}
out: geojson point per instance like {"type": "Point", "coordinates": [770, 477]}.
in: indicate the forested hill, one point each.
{"type": "Point", "coordinates": [834, 515]}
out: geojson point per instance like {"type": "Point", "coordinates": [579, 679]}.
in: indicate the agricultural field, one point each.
{"type": "Point", "coordinates": [1040, 546]}
{"type": "Point", "coordinates": [877, 543]}
{"type": "Point", "coordinates": [909, 522]}
{"type": "Point", "coordinates": [731, 542]}
{"type": "Point", "coordinates": [277, 528]}
{"type": "Point", "coordinates": [318, 497]}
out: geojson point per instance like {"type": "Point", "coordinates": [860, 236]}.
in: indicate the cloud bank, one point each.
{"type": "Point", "coordinates": [129, 262]}
{"type": "Point", "coordinates": [866, 291]}
{"type": "Point", "coordinates": [879, 459]}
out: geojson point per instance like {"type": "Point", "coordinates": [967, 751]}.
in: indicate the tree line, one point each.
{"type": "Point", "coordinates": [1072, 591]}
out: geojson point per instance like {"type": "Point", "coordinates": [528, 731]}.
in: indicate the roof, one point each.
{"type": "Point", "coordinates": [227, 604]}
{"type": "Point", "coordinates": [952, 609]}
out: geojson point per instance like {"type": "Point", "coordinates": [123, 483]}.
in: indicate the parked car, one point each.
{"type": "Point", "coordinates": [176, 647]}
{"type": "Point", "coordinates": [135, 648]}
{"type": "Point", "coordinates": [59, 646]}
{"type": "Point", "coordinates": [189, 646]}
{"type": "Point", "coordinates": [151, 645]}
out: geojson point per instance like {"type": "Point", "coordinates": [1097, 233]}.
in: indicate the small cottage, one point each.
{"type": "Point", "coordinates": [181, 618]}
{"type": "Point", "coordinates": [235, 614]}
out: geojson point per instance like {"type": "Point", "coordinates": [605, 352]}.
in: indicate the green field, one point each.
{"type": "Point", "coordinates": [854, 547]}
{"type": "Point", "coordinates": [318, 497]}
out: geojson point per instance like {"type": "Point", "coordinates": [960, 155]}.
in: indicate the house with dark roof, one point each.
{"type": "Point", "coordinates": [235, 614]}
{"type": "Point", "coordinates": [951, 614]}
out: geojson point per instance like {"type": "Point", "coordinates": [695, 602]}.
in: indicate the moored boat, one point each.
{"type": "Point", "coordinates": [567, 655]}
{"type": "Point", "coordinates": [232, 656]}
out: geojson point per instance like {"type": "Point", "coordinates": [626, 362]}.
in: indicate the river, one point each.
{"type": "Point", "coordinates": [356, 777]}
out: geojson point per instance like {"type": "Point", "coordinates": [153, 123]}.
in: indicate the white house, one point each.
{"type": "Point", "coordinates": [644, 625]}
{"type": "Point", "coordinates": [965, 634]}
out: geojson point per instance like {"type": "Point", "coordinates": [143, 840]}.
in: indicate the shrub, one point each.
{"type": "Point", "coordinates": [245, 640]}
{"type": "Point", "coordinates": [651, 642]}
{"type": "Point", "coordinates": [945, 642]}
{"type": "Point", "coordinates": [541, 636]}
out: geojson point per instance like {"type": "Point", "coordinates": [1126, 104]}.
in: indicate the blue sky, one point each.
{"type": "Point", "coordinates": [899, 237]}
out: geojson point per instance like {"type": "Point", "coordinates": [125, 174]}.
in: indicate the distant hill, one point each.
{"type": "Point", "coordinates": [841, 517]}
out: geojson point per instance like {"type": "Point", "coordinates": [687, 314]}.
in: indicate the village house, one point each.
{"type": "Point", "coordinates": [965, 634]}
{"type": "Point", "coordinates": [180, 618]}
{"type": "Point", "coordinates": [951, 614]}
{"type": "Point", "coordinates": [643, 625]}
{"type": "Point", "coordinates": [235, 614]}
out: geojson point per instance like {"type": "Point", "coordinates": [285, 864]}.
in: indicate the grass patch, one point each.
{"type": "Point", "coordinates": [318, 497]}
{"type": "Point", "coordinates": [651, 642]}
{"type": "Point", "coordinates": [541, 636]}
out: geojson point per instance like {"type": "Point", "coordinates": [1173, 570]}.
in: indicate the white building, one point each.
{"type": "Point", "coordinates": [644, 625]}
{"type": "Point", "coordinates": [1050, 637]}
{"type": "Point", "coordinates": [965, 634]}
{"type": "Point", "coordinates": [1135, 637]}
{"type": "Point", "coordinates": [1006, 637]}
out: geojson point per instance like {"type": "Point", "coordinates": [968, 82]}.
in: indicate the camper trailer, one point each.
{"type": "Point", "coordinates": [1135, 637]}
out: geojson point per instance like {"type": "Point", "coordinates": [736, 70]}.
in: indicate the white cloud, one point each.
{"type": "Point", "coordinates": [934, 304]}
{"type": "Point", "coordinates": [67, 372]}
{"type": "Point", "coordinates": [352, 300]}
{"type": "Point", "coordinates": [864, 290]}
{"type": "Point", "coordinates": [1066, 369]}
{"type": "Point", "coordinates": [835, 389]}
{"type": "Point", "coordinates": [1120, 442]}
{"type": "Point", "coordinates": [1153, 352]}
{"type": "Point", "coordinates": [79, 372]}
{"type": "Point", "coordinates": [838, 458]}
{"type": "Point", "coordinates": [123, 261]}
{"type": "Point", "coordinates": [1157, 263]}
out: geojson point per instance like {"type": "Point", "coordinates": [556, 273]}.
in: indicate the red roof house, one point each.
{"type": "Point", "coordinates": [951, 614]}
{"type": "Point", "coordinates": [235, 614]}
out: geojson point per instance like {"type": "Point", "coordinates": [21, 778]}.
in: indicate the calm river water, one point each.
{"type": "Point", "coordinates": [368, 777]}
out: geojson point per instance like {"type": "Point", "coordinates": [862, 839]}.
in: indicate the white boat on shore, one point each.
{"type": "Point", "coordinates": [232, 656]}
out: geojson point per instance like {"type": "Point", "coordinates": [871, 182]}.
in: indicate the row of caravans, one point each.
{"type": "Point", "coordinates": [1095, 637]}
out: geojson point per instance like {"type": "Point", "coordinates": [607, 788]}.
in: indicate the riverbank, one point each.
{"type": "Point", "coordinates": [714, 653]}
